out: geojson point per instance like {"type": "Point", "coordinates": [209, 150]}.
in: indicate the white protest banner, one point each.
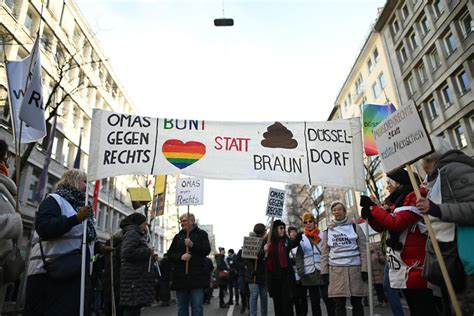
{"type": "Point", "coordinates": [401, 138]}
{"type": "Point", "coordinates": [251, 247]}
{"type": "Point", "coordinates": [276, 201]}
{"type": "Point", "coordinates": [189, 191]}
{"type": "Point", "coordinates": [32, 107]}
{"type": "Point", "coordinates": [17, 73]}
{"type": "Point", "coordinates": [326, 153]}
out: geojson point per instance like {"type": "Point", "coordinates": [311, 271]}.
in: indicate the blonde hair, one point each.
{"type": "Point", "coordinates": [71, 178]}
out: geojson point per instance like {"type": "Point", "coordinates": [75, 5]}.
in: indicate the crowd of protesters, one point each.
{"type": "Point", "coordinates": [296, 267]}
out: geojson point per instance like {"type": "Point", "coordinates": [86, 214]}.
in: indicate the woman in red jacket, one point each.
{"type": "Point", "coordinates": [406, 244]}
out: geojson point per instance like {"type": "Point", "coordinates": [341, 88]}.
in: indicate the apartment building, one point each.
{"type": "Point", "coordinates": [431, 54]}
{"type": "Point", "coordinates": [78, 76]}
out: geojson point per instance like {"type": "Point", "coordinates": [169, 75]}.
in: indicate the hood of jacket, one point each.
{"type": "Point", "coordinates": [450, 156]}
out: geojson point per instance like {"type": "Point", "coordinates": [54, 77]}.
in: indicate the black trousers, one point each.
{"type": "Point", "coordinates": [131, 310]}
{"type": "Point", "coordinates": [356, 302]}
{"type": "Point", "coordinates": [420, 302]}
{"type": "Point", "coordinates": [282, 304]}
{"type": "Point", "coordinates": [233, 290]}
{"type": "Point", "coordinates": [315, 294]}
{"type": "Point", "coordinates": [380, 294]}
{"type": "Point", "coordinates": [222, 289]}
{"type": "Point", "coordinates": [300, 300]}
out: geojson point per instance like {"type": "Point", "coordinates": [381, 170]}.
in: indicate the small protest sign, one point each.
{"type": "Point", "coordinates": [402, 138]}
{"type": "Point", "coordinates": [251, 247]}
{"type": "Point", "coordinates": [276, 199]}
{"type": "Point", "coordinates": [189, 191]}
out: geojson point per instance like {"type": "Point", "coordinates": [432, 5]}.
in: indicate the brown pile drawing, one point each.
{"type": "Point", "coordinates": [278, 136]}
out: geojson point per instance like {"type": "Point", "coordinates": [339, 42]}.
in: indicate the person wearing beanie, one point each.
{"type": "Point", "coordinates": [136, 280]}
{"type": "Point", "coordinates": [344, 262]}
{"type": "Point", "coordinates": [300, 300]}
{"type": "Point", "coordinates": [222, 276]}
{"type": "Point", "coordinates": [280, 274]}
{"type": "Point", "coordinates": [308, 265]}
{"type": "Point", "coordinates": [189, 248]}
{"type": "Point", "coordinates": [406, 242]}
{"type": "Point", "coordinates": [255, 277]}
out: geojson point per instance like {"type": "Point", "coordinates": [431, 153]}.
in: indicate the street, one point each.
{"type": "Point", "coordinates": [213, 309]}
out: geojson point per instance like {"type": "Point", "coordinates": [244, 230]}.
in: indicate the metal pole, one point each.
{"type": "Point", "coordinates": [83, 265]}
{"type": "Point", "coordinates": [187, 248]}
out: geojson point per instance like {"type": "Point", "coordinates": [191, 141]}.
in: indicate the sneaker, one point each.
{"type": "Point", "coordinates": [224, 306]}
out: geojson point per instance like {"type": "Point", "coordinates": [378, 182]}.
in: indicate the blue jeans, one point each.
{"type": "Point", "coordinates": [255, 290]}
{"type": "Point", "coordinates": [392, 295]}
{"type": "Point", "coordinates": [194, 297]}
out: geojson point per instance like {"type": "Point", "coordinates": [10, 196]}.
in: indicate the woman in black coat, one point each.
{"type": "Point", "coordinates": [136, 280]}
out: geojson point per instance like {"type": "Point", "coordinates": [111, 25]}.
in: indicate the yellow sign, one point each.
{"type": "Point", "coordinates": [160, 185]}
{"type": "Point", "coordinates": [139, 194]}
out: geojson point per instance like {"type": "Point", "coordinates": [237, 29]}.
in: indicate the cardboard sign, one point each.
{"type": "Point", "coordinates": [251, 247]}
{"type": "Point", "coordinates": [189, 191]}
{"type": "Point", "coordinates": [402, 138]}
{"type": "Point", "coordinates": [276, 201]}
{"type": "Point", "coordinates": [325, 153]}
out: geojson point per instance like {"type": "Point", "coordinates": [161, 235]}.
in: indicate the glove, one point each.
{"type": "Point", "coordinates": [364, 275]}
{"type": "Point", "coordinates": [365, 213]}
{"type": "Point", "coordinates": [366, 202]}
{"type": "Point", "coordinates": [325, 278]}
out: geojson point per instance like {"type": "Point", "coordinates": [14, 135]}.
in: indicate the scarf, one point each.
{"type": "Point", "coordinates": [3, 169]}
{"type": "Point", "coordinates": [77, 199]}
{"type": "Point", "coordinates": [341, 222]}
{"type": "Point", "coordinates": [280, 254]}
{"type": "Point", "coordinates": [313, 235]}
{"type": "Point", "coordinates": [397, 196]}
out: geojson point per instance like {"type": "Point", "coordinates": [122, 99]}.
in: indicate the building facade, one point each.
{"type": "Point", "coordinates": [431, 53]}
{"type": "Point", "coordinates": [77, 78]}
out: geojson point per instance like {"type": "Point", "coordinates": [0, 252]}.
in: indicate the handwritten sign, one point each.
{"type": "Point", "coordinates": [402, 138]}
{"type": "Point", "coordinates": [251, 247]}
{"type": "Point", "coordinates": [276, 199]}
{"type": "Point", "coordinates": [325, 153]}
{"type": "Point", "coordinates": [189, 191]}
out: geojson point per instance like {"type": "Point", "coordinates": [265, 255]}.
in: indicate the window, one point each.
{"type": "Point", "coordinates": [411, 85]}
{"type": "Point", "coordinates": [450, 43]}
{"type": "Point", "coordinates": [370, 66]}
{"type": "Point", "coordinates": [435, 60]}
{"type": "Point", "coordinates": [463, 83]}
{"type": "Point", "coordinates": [447, 96]}
{"type": "Point", "coordinates": [381, 80]}
{"type": "Point", "coordinates": [402, 54]}
{"type": "Point", "coordinates": [460, 137]}
{"type": "Point", "coordinates": [395, 26]}
{"type": "Point", "coordinates": [405, 12]}
{"type": "Point", "coordinates": [33, 188]}
{"type": "Point", "coordinates": [46, 41]}
{"type": "Point", "coordinates": [422, 72]}
{"type": "Point", "coordinates": [375, 89]}
{"type": "Point", "coordinates": [376, 55]}
{"type": "Point", "coordinates": [359, 85]}
{"type": "Point", "coordinates": [425, 25]}
{"type": "Point", "coordinates": [466, 25]}
{"type": "Point", "coordinates": [29, 22]}
{"type": "Point", "coordinates": [438, 8]}
{"type": "Point", "coordinates": [346, 106]}
{"type": "Point", "coordinates": [10, 4]}
{"type": "Point", "coordinates": [413, 40]}
{"type": "Point", "coordinates": [433, 107]}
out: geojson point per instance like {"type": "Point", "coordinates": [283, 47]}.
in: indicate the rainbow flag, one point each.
{"type": "Point", "coordinates": [181, 154]}
{"type": "Point", "coordinates": [372, 115]}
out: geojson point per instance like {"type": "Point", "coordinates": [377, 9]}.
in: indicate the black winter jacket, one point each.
{"type": "Point", "coordinates": [198, 276]}
{"type": "Point", "coordinates": [136, 283]}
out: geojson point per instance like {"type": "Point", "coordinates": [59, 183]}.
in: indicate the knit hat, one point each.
{"type": "Point", "coordinates": [133, 219]}
{"type": "Point", "coordinates": [259, 229]}
{"type": "Point", "coordinates": [278, 223]}
{"type": "Point", "coordinates": [400, 176]}
{"type": "Point", "coordinates": [308, 216]}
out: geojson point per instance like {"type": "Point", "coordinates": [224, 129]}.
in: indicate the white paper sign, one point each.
{"type": "Point", "coordinates": [326, 153]}
{"type": "Point", "coordinates": [251, 247]}
{"type": "Point", "coordinates": [276, 200]}
{"type": "Point", "coordinates": [189, 191]}
{"type": "Point", "coordinates": [401, 138]}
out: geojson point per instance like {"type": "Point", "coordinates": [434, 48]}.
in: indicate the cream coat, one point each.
{"type": "Point", "coordinates": [11, 226]}
{"type": "Point", "coordinates": [345, 281]}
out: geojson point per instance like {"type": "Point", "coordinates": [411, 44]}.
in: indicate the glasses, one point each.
{"type": "Point", "coordinates": [308, 222]}
{"type": "Point", "coordinates": [281, 227]}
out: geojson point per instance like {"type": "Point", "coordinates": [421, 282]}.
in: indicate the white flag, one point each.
{"type": "Point", "coordinates": [32, 106]}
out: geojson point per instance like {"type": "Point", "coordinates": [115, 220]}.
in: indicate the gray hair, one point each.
{"type": "Point", "coordinates": [71, 178]}
{"type": "Point", "coordinates": [335, 203]}
{"type": "Point", "coordinates": [441, 146]}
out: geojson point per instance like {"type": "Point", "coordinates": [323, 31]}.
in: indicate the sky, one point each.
{"type": "Point", "coordinates": [283, 60]}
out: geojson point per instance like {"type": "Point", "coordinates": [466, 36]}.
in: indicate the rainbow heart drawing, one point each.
{"type": "Point", "coordinates": [182, 155]}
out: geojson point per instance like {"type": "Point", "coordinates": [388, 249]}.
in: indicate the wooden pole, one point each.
{"type": "Point", "coordinates": [187, 247]}
{"type": "Point", "coordinates": [434, 241]}
{"type": "Point", "coordinates": [269, 237]}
